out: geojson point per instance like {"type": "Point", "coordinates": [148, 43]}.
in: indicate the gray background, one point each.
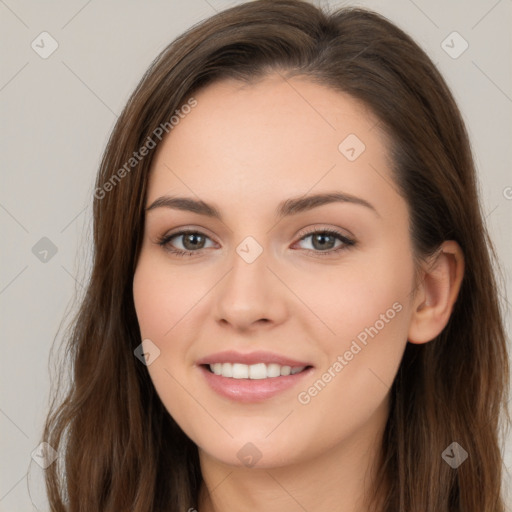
{"type": "Point", "coordinates": [58, 112]}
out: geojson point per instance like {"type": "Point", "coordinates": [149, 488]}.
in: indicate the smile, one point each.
{"type": "Point", "coordinates": [256, 386]}
{"type": "Point", "coordinates": [254, 371]}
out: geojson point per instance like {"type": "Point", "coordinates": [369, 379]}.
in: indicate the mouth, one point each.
{"type": "Point", "coordinates": [258, 371]}
{"type": "Point", "coordinates": [252, 378]}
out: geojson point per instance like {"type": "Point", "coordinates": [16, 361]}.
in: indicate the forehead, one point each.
{"type": "Point", "coordinates": [271, 139]}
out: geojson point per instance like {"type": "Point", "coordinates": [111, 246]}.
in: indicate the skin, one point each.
{"type": "Point", "coordinates": [244, 149]}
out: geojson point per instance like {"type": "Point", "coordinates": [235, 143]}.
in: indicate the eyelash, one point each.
{"type": "Point", "coordinates": [347, 242]}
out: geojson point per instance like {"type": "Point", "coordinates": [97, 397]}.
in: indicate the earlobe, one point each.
{"type": "Point", "coordinates": [438, 292]}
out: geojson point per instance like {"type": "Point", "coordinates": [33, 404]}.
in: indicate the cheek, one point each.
{"type": "Point", "coordinates": [161, 296]}
{"type": "Point", "coordinates": [147, 294]}
{"type": "Point", "coordinates": [364, 292]}
{"type": "Point", "coordinates": [365, 312]}
{"type": "Point", "coordinates": [162, 301]}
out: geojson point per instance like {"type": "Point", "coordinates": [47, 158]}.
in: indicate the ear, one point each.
{"type": "Point", "coordinates": [437, 293]}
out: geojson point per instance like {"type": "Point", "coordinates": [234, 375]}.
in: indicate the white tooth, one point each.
{"type": "Point", "coordinates": [273, 370]}
{"type": "Point", "coordinates": [240, 371]}
{"type": "Point", "coordinates": [227, 370]}
{"type": "Point", "coordinates": [258, 371]}
{"type": "Point", "coordinates": [216, 368]}
{"type": "Point", "coordinates": [285, 370]}
{"type": "Point", "coordinates": [254, 371]}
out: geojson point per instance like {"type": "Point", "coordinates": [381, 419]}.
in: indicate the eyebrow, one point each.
{"type": "Point", "coordinates": [286, 208]}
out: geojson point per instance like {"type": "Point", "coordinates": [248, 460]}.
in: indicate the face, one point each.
{"type": "Point", "coordinates": [278, 324]}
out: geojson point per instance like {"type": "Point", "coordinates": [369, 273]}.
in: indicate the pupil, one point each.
{"type": "Point", "coordinates": [190, 239]}
{"type": "Point", "coordinates": [322, 237]}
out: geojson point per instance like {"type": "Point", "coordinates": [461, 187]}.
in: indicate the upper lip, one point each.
{"type": "Point", "coordinates": [231, 356]}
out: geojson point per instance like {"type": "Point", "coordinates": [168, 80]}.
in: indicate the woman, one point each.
{"type": "Point", "coordinates": [292, 304]}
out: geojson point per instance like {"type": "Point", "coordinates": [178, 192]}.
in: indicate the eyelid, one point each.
{"type": "Point", "coordinates": [182, 230]}
{"type": "Point", "coordinates": [319, 227]}
{"type": "Point", "coordinates": [179, 232]}
{"type": "Point", "coordinates": [347, 240]}
{"type": "Point", "coordinates": [302, 233]}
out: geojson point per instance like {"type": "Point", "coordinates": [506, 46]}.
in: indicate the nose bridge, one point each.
{"type": "Point", "coordinates": [248, 292]}
{"type": "Point", "coordinates": [248, 275]}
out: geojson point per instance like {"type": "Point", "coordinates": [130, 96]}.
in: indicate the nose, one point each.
{"type": "Point", "coordinates": [250, 294]}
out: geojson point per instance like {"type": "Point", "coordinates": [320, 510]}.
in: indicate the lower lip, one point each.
{"type": "Point", "coordinates": [251, 390]}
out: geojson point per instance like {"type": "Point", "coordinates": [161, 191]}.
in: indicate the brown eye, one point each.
{"type": "Point", "coordinates": [191, 242]}
{"type": "Point", "coordinates": [324, 241]}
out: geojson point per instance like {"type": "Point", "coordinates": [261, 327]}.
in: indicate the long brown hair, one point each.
{"type": "Point", "coordinates": [119, 448]}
